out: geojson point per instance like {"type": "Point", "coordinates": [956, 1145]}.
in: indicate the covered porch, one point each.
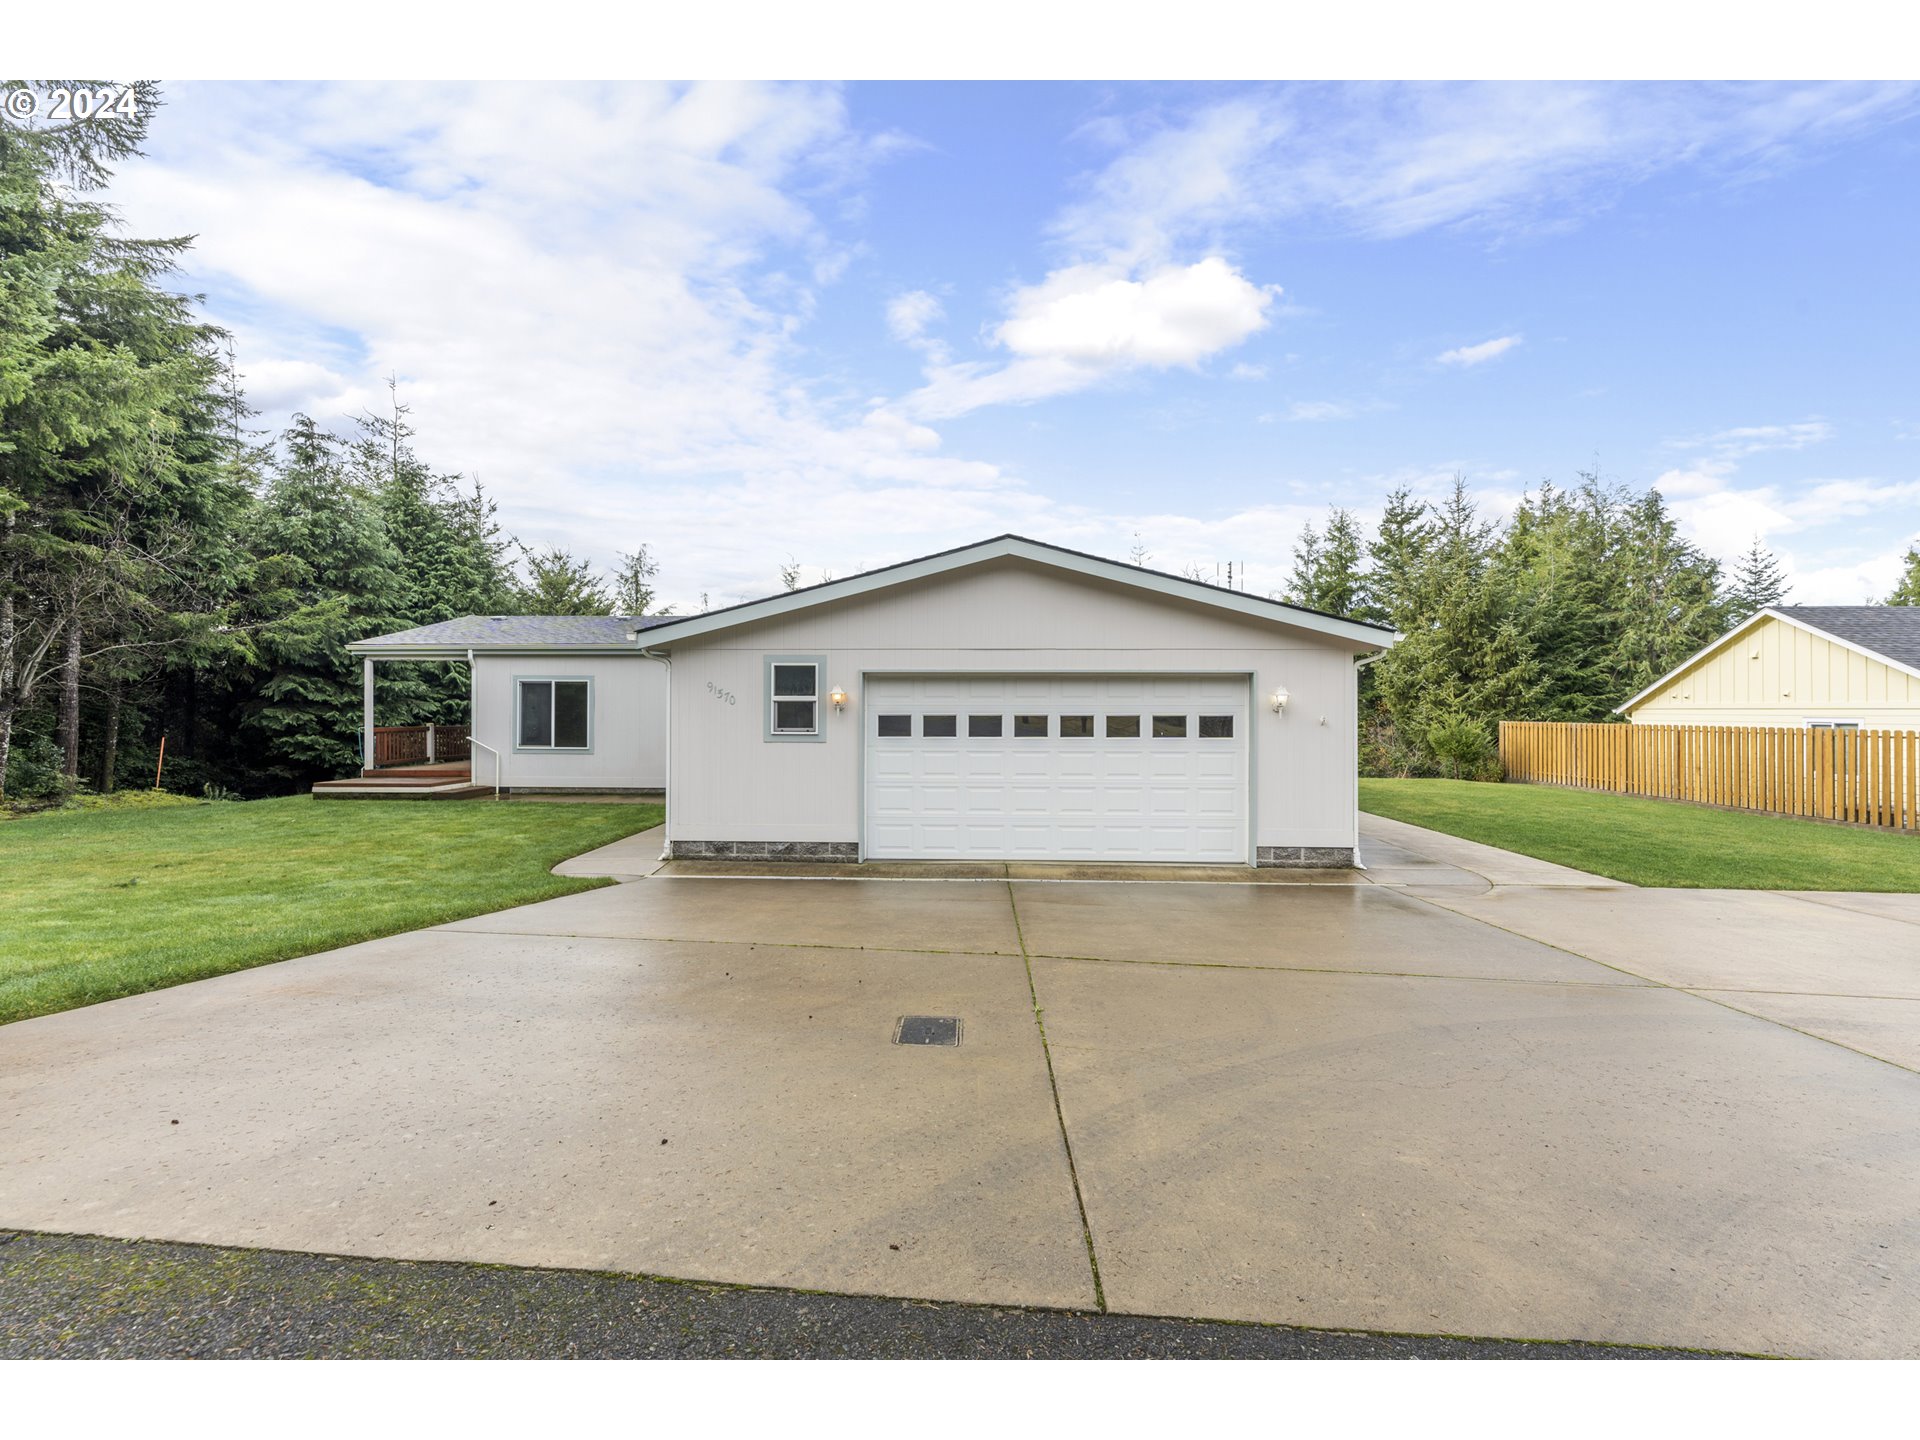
{"type": "Point", "coordinates": [409, 762]}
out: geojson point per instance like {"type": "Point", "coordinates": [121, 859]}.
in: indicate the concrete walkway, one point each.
{"type": "Point", "coordinates": [1555, 1108]}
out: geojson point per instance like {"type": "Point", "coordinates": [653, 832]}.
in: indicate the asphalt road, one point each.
{"type": "Point", "coordinates": [80, 1297]}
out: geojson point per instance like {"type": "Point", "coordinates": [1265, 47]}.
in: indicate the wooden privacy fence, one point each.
{"type": "Point", "coordinates": [1864, 777]}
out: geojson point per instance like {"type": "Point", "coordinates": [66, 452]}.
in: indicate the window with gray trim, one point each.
{"type": "Point", "coordinates": [795, 698]}
{"type": "Point", "coordinates": [553, 714]}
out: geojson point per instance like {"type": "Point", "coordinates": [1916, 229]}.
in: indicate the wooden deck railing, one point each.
{"type": "Point", "coordinates": [1864, 777]}
{"type": "Point", "coordinates": [419, 744]}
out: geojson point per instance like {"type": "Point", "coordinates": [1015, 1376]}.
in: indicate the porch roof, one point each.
{"type": "Point", "coordinates": [454, 638]}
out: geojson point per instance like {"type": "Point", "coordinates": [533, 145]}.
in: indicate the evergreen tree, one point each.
{"type": "Point", "coordinates": [558, 584]}
{"type": "Point", "coordinates": [1669, 598]}
{"type": "Point", "coordinates": [1907, 592]}
{"type": "Point", "coordinates": [325, 574]}
{"type": "Point", "coordinates": [1758, 581]}
{"type": "Point", "coordinates": [1395, 556]}
{"type": "Point", "coordinates": [1327, 568]}
{"type": "Point", "coordinates": [113, 471]}
{"type": "Point", "coordinates": [633, 583]}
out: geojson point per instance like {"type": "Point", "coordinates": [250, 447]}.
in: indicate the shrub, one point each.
{"type": "Point", "coordinates": [1462, 746]}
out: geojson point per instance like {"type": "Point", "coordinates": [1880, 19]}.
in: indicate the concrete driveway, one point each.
{"type": "Point", "coordinates": [1462, 1093]}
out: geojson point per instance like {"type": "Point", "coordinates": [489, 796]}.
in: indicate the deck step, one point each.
{"type": "Point", "coordinates": [415, 790]}
{"type": "Point", "coordinates": [445, 771]}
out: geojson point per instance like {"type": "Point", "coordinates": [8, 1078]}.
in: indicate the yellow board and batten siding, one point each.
{"type": "Point", "coordinates": [1777, 673]}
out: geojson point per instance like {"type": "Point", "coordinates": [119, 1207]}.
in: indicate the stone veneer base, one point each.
{"type": "Point", "coordinates": [1305, 857]}
{"type": "Point", "coordinates": [842, 852]}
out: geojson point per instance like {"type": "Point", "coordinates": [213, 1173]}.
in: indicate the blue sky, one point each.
{"type": "Point", "coordinates": [855, 324]}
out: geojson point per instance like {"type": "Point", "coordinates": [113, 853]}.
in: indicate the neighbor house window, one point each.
{"type": "Point", "coordinates": [553, 714]}
{"type": "Point", "coordinates": [794, 698]}
{"type": "Point", "coordinates": [1833, 724]}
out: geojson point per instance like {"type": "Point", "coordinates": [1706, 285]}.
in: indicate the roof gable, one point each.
{"type": "Point", "coordinates": [1864, 629]}
{"type": "Point", "coordinates": [1360, 633]}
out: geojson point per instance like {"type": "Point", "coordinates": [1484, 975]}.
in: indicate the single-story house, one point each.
{"type": "Point", "coordinates": [1004, 700]}
{"type": "Point", "coordinates": [1798, 665]}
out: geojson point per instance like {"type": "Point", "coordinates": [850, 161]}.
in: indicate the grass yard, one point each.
{"type": "Point", "coordinates": [1654, 842]}
{"type": "Point", "coordinates": [96, 904]}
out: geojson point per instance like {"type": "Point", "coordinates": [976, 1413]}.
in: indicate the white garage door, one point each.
{"type": "Point", "coordinates": [1057, 767]}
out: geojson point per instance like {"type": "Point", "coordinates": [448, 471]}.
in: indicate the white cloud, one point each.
{"type": "Point", "coordinates": [1478, 354]}
{"type": "Point", "coordinates": [1088, 323]}
{"type": "Point", "coordinates": [1317, 410]}
{"type": "Point", "coordinates": [1746, 440]}
{"type": "Point", "coordinates": [1390, 160]}
{"type": "Point", "coordinates": [590, 297]}
{"type": "Point", "coordinates": [1244, 371]}
{"type": "Point", "coordinates": [909, 315]}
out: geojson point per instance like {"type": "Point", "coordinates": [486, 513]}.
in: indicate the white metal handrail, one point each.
{"type": "Point", "coordinates": [496, 762]}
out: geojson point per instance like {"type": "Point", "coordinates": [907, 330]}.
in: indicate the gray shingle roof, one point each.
{"type": "Point", "coordinates": [1889, 630]}
{"type": "Point", "coordinates": [488, 631]}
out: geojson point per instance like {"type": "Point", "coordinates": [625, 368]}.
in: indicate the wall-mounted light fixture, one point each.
{"type": "Point", "coordinates": [838, 697]}
{"type": "Point", "coordinates": [1279, 699]}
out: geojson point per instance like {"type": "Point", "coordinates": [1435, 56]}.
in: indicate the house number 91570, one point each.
{"type": "Point", "coordinates": [719, 694]}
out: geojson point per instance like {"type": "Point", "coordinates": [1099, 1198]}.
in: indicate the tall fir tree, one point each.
{"type": "Point", "coordinates": [558, 584]}
{"type": "Point", "coordinates": [1759, 580]}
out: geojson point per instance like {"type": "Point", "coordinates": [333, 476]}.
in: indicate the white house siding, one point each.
{"type": "Point", "coordinates": [731, 784]}
{"type": "Point", "coordinates": [1782, 674]}
{"type": "Point", "coordinates": [628, 723]}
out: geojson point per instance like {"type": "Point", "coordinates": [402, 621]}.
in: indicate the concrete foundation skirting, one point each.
{"type": "Point", "coordinates": [1305, 857]}
{"type": "Point", "coordinates": [811, 851]}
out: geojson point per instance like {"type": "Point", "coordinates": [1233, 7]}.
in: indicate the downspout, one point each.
{"type": "Point", "coordinates": [666, 825]}
{"type": "Point", "coordinates": [1359, 665]}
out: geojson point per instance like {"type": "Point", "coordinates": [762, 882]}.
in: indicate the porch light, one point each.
{"type": "Point", "coordinates": [838, 697]}
{"type": "Point", "coordinates": [1279, 699]}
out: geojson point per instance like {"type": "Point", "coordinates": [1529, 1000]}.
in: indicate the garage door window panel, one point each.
{"type": "Point", "coordinates": [1077, 727]}
{"type": "Point", "coordinates": [1216, 727]}
{"type": "Point", "coordinates": [1123, 727]}
{"type": "Point", "coordinates": [1170, 727]}
{"type": "Point", "coordinates": [1031, 727]}
{"type": "Point", "coordinates": [894, 726]}
{"type": "Point", "coordinates": [939, 727]}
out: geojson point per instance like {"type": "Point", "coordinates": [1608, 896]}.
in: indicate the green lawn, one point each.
{"type": "Point", "coordinates": [100, 903]}
{"type": "Point", "coordinates": [1654, 842]}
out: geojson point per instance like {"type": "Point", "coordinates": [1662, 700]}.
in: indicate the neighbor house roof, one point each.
{"type": "Point", "coordinates": [1361, 633]}
{"type": "Point", "coordinates": [511, 632]}
{"type": "Point", "coordinates": [1887, 633]}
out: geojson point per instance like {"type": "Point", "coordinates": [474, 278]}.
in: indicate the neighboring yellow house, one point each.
{"type": "Point", "coordinates": [1798, 665]}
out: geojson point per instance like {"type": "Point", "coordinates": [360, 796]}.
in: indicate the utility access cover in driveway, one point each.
{"type": "Point", "coordinates": [927, 1030]}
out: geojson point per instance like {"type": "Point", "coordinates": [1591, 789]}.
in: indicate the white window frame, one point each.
{"type": "Point", "coordinates": [1841, 723]}
{"type": "Point", "coordinates": [818, 698]}
{"type": "Point", "coordinates": [520, 682]}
